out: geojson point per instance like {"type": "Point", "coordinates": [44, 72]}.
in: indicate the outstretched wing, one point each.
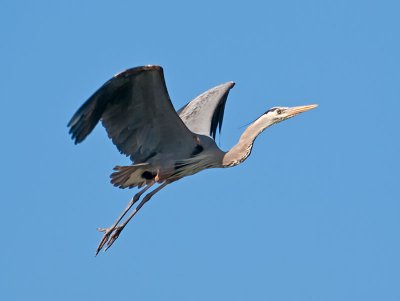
{"type": "Point", "coordinates": [137, 113]}
{"type": "Point", "coordinates": [204, 114]}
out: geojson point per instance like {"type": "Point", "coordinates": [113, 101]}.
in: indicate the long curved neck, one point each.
{"type": "Point", "coordinates": [242, 149]}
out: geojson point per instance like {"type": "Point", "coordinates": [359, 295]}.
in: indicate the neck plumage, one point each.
{"type": "Point", "coordinates": [242, 149]}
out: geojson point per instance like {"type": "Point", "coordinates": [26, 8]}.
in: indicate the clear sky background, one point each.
{"type": "Point", "coordinates": [313, 214]}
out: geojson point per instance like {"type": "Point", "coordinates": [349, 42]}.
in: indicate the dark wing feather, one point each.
{"type": "Point", "coordinates": [204, 114]}
{"type": "Point", "coordinates": [137, 113]}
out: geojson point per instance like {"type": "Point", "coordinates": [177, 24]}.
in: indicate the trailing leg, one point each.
{"type": "Point", "coordinates": [108, 231]}
{"type": "Point", "coordinates": [119, 229]}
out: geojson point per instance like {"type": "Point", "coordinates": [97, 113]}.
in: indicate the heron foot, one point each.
{"type": "Point", "coordinates": [110, 236]}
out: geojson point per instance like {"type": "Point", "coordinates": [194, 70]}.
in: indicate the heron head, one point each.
{"type": "Point", "coordinates": [278, 114]}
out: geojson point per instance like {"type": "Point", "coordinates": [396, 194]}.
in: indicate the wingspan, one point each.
{"type": "Point", "coordinates": [204, 114]}
{"type": "Point", "coordinates": [136, 111]}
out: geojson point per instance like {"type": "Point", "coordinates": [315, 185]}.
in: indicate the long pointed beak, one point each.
{"type": "Point", "coordinates": [297, 110]}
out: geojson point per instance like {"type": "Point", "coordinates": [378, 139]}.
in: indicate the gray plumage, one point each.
{"type": "Point", "coordinates": [204, 114]}
{"type": "Point", "coordinates": [164, 145]}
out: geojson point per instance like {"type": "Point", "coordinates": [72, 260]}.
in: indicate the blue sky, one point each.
{"type": "Point", "coordinates": [313, 214]}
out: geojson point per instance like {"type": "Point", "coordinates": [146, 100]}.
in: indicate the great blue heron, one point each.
{"type": "Point", "coordinates": [164, 145]}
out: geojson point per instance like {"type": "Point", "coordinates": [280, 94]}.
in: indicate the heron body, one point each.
{"type": "Point", "coordinates": [164, 145]}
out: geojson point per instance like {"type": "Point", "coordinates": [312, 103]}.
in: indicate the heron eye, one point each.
{"type": "Point", "coordinates": [279, 111]}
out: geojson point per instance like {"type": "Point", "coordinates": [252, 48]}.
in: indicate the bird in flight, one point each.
{"type": "Point", "coordinates": [164, 145]}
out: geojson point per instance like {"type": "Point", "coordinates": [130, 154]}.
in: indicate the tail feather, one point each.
{"type": "Point", "coordinates": [132, 176]}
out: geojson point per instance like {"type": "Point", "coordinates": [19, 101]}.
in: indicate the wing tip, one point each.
{"type": "Point", "coordinates": [76, 136]}
{"type": "Point", "coordinates": [78, 129]}
{"type": "Point", "coordinates": [229, 85]}
{"type": "Point", "coordinates": [224, 87]}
